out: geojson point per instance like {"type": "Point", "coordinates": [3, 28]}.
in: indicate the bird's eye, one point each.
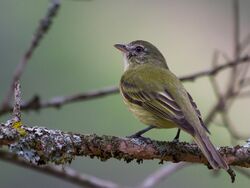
{"type": "Point", "coordinates": [139, 49]}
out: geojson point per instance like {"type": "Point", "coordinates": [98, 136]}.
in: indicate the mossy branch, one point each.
{"type": "Point", "coordinates": [41, 146]}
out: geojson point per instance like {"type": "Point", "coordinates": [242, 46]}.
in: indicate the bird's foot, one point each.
{"type": "Point", "coordinates": [136, 135]}
{"type": "Point", "coordinates": [175, 140]}
{"type": "Point", "coordinates": [139, 137]}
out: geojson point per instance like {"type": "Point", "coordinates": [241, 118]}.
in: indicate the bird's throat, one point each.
{"type": "Point", "coordinates": [125, 62]}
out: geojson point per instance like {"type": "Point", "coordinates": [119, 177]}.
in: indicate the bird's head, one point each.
{"type": "Point", "coordinates": [140, 52]}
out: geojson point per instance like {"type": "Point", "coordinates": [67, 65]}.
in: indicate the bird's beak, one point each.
{"type": "Point", "coordinates": [122, 47]}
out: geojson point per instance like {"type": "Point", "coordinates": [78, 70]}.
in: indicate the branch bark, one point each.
{"type": "Point", "coordinates": [64, 173]}
{"type": "Point", "coordinates": [41, 146]}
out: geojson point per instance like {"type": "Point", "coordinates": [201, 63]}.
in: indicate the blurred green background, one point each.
{"type": "Point", "coordinates": [78, 55]}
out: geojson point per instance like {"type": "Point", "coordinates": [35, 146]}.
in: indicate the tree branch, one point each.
{"type": "Point", "coordinates": [42, 29]}
{"type": "Point", "coordinates": [213, 80]}
{"type": "Point", "coordinates": [216, 70]}
{"type": "Point", "coordinates": [63, 173]}
{"type": "Point", "coordinates": [41, 146]}
{"type": "Point", "coordinates": [161, 174]}
{"type": "Point", "coordinates": [17, 102]}
{"type": "Point", "coordinates": [245, 43]}
{"type": "Point", "coordinates": [236, 44]}
{"type": "Point", "coordinates": [56, 102]}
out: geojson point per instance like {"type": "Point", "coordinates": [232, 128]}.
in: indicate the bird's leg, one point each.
{"type": "Point", "coordinates": [176, 138]}
{"type": "Point", "coordinates": [141, 132]}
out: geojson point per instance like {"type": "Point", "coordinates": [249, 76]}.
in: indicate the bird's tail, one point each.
{"type": "Point", "coordinates": [208, 149]}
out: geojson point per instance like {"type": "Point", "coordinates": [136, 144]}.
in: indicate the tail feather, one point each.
{"type": "Point", "coordinates": [210, 152]}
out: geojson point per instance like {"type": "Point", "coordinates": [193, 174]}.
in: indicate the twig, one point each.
{"type": "Point", "coordinates": [212, 78]}
{"type": "Point", "coordinates": [161, 174]}
{"type": "Point", "coordinates": [245, 43]}
{"type": "Point", "coordinates": [42, 29]}
{"type": "Point", "coordinates": [236, 44]}
{"type": "Point", "coordinates": [17, 102]}
{"type": "Point", "coordinates": [213, 72]}
{"type": "Point", "coordinates": [242, 75]}
{"type": "Point", "coordinates": [35, 103]}
{"type": "Point", "coordinates": [65, 173]}
{"type": "Point", "coordinates": [42, 146]}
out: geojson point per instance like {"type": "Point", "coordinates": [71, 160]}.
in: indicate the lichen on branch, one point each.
{"type": "Point", "coordinates": [42, 146]}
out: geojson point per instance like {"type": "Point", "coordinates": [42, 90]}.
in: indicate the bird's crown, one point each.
{"type": "Point", "coordinates": [140, 52]}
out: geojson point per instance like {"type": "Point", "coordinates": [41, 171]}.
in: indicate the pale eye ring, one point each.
{"type": "Point", "coordinates": [139, 49]}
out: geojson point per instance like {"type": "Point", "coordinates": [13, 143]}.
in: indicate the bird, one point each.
{"type": "Point", "coordinates": [158, 99]}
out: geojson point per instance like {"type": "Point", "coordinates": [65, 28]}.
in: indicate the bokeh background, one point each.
{"type": "Point", "coordinates": [78, 55]}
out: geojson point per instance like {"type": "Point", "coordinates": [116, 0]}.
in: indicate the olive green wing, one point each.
{"type": "Point", "coordinates": [150, 101]}
{"type": "Point", "coordinates": [154, 97]}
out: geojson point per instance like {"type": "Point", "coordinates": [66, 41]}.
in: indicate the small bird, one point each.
{"type": "Point", "coordinates": [158, 98]}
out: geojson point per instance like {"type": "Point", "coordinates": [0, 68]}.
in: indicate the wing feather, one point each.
{"type": "Point", "coordinates": [198, 113]}
{"type": "Point", "coordinates": [160, 103]}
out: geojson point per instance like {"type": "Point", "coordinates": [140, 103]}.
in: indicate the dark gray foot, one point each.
{"type": "Point", "coordinates": [176, 138]}
{"type": "Point", "coordinates": [141, 132]}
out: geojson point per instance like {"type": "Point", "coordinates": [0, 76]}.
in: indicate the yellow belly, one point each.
{"type": "Point", "coordinates": [149, 118]}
